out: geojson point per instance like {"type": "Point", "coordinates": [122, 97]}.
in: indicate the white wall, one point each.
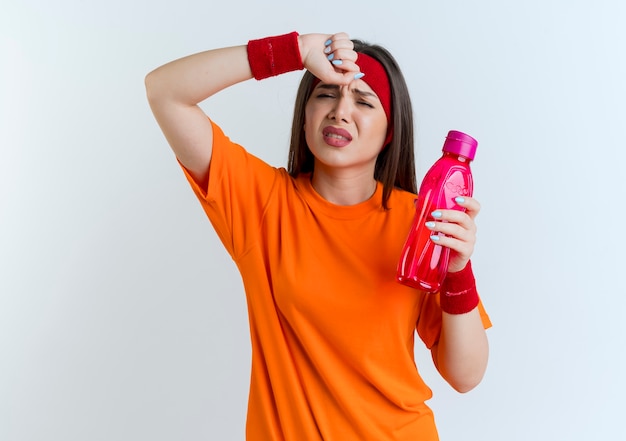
{"type": "Point", "coordinates": [121, 318]}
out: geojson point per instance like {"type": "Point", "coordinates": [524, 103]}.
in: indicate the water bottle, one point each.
{"type": "Point", "coordinates": [423, 264]}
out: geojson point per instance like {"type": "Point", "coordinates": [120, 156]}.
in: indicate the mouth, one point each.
{"type": "Point", "coordinates": [336, 137]}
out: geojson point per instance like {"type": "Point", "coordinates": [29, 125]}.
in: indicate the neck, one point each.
{"type": "Point", "coordinates": [343, 188]}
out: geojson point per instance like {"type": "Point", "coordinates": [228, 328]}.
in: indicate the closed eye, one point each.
{"type": "Point", "coordinates": [327, 91]}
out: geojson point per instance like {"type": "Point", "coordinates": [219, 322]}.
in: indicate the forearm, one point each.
{"type": "Point", "coordinates": [192, 79]}
{"type": "Point", "coordinates": [463, 350]}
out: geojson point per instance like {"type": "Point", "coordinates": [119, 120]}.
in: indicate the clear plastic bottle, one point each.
{"type": "Point", "coordinates": [423, 264]}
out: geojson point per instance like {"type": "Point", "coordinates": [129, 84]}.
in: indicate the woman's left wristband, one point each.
{"type": "Point", "coordinates": [458, 294]}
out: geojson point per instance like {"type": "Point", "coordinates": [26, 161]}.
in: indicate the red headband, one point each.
{"type": "Point", "coordinates": [376, 77]}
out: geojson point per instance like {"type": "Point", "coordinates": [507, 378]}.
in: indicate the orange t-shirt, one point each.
{"type": "Point", "coordinates": [332, 331]}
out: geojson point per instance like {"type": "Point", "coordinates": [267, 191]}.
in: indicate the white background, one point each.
{"type": "Point", "coordinates": [121, 317]}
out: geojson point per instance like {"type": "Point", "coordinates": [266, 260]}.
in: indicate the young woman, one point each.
{"type": "Point", "coordinates": [317, 245]}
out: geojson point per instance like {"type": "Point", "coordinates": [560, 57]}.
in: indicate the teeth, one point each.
{"type": "Point", "coordinates": [334, 135]}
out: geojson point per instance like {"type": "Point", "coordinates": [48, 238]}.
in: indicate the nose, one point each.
{"type": "Point", "coordinates": [341, 110]}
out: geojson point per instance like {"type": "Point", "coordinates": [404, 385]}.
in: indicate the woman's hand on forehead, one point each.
{"type": "Point", "coordinates": [331, 58]}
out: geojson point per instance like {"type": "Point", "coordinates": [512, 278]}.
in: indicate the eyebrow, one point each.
{"type": "Point", "coordinates": [355, 91]}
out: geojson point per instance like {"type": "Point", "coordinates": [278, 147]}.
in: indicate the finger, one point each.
{"type": "Point", "coordinates": [340, 40]}
{"type": "Point", "coordinates": [344, 54]}
{"type": "Point", "coordinates": [471, 205]}
{"type": "Point", "coordinates": [453, 230]}
{"type": "Point", "coordinates": [345, 66]}
{"type": "Point", "coordinates": [461, 218]}
{"type": "Point", "coordinates": [462, 248]}
{"type": "Point", "coordinates": [339, 48]}
{"type": "Point", "coordinates": [345, 72]}
{"type": "Point", "coordinates": [344, 60]}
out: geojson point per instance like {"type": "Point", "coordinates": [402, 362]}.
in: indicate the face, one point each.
{"type": "Point", "coordinates": [345, 126]}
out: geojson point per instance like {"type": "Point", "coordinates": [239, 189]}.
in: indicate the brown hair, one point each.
{"type": "Point", "coordinates": [395, 165]}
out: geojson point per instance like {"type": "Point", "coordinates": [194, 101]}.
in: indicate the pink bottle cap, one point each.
{"type": "Point", "coordinates": [461, 144]}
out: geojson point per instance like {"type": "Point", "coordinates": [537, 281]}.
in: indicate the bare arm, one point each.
{"type": "Point", "coordinates": [175, 89]}
{"type": "Point", "coordinates": [462, 351]}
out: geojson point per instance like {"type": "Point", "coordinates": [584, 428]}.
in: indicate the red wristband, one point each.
{"type": "Point", "coordinates": [458, 294]}
{"type": "Point", "coordinates": [273, 56]}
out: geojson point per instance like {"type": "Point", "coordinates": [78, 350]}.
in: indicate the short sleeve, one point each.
{"type": "Point", "coordinates": [429, 321]}
{"type": "Point", "coordinates": [239, 187]}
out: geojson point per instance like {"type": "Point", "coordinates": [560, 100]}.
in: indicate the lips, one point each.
{"type": "Point", "coordinates": [336, 137]}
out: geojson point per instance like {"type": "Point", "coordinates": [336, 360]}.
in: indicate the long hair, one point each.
{"type": "Point", "coordinates": [395, 165]}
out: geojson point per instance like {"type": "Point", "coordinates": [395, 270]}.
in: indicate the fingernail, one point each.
{"type": "Point", "coordinates": [327, 49]}
{"type": "Point", "coordinates": [459, 199]}
{"type": "Point", "coordinates": [430, 225]}
{"type": "Point", "coordinates": [337, 62]}
{"type": "Point", "coordinates": [436, 214]}
{"type": "Point", "coordinates": [359, 76]}
{"type": "Point", "coordinates": [328, 42]}
{"type": "Point", "coordinates": [434, 238]}
{"type": "Point", "coordinates": [330, 57]}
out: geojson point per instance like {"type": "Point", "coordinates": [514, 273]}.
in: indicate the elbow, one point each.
{"type": "Point", "coordinates": [155, 86]}
{"type": "Point", "coordinates": [467, 381]}
{"type": "Point", "coordinates": [462, 369]}
{"type": "Point", "coordinates": [151, 86]}
{"type": "Point", "coordinates": [464, 387]}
